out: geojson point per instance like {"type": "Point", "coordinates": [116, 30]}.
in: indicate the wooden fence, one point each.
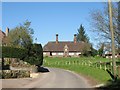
{"type": "Point", "coordinates": [98, 65]}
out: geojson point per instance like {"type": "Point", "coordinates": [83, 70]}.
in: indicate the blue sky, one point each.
{"type": "Point", "coordinates": [50, 18]}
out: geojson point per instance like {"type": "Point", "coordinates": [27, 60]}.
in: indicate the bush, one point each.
{"type": "Point", "coordinates": [32, 55]}
{"type": "Point", "coordinates": [35, 55]}
{"type": "Point", "coordinates": [12, 52]}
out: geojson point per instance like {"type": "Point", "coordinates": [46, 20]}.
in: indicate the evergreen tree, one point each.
{"type": "Point", "coordinates": [81, 35]}
{"type": "Point", "coordinates": [101, 49]}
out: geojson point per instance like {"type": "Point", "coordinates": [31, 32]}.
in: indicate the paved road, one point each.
{"type": "Point", "coordinates": [56, 78]}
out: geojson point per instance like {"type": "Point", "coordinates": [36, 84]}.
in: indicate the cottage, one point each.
{"type": "Point", "coordinates": [3, 35]}
{"type": "Point", "coordinates": [63, 48]}
{"type": "Point", "coordinates": [109, 55]}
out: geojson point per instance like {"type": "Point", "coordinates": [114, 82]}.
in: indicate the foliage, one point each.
{"type": "Point", "coordinates": [81, 35]}
{"type": "Point", "coordinates": [20, 35]}
{"type": "Point", "coordinates": [94, 52]}
{"type": "Point", "coordinates": [88, 50]}
{"type": "Point", "coordinates": [35, 55]}
{"type": "Point", "coordinates": [13, 52]}
{"type": "Point", "coordinates": [101, 49]}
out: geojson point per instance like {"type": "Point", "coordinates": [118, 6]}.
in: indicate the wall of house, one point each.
{"type": "Point", "coordinates": [61, 54]}
{"type": "Point", "coordinates": [46, 53]}
{"type": "Point", "coordinates": [110, 56]}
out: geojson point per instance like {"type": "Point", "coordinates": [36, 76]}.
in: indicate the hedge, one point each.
{"type": "Point", "coordinates": [32, 55]}
{"type": "Point", "coordinates": [12, 52]}
{"type": "Point", "coordinates": [35, 55]}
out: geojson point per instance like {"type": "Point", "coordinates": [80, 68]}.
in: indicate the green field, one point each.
{"type": "Point", "coordinates": [84, 66]}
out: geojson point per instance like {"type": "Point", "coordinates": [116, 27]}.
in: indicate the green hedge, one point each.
{"type": "Point", "coordinates": [32, 55]}
{"type": "Point", "coordinates": [35, 55]}
{"type": "Point", "coordinates": [12, 52]}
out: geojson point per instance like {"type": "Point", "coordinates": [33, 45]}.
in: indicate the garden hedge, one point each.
{"type": "Point", "coordinates": [33, 55]}
{"type": "Point", "coordinates": [13, 52]}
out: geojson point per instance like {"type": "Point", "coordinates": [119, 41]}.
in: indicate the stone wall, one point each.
{"type": "Point", "coordinates": [17, 68]}
{"type": "Point", "coordinates": [5, 74]}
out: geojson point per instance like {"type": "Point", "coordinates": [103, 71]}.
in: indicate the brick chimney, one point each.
{"type": "Point", "coordinates": [56, 38]}
{"type": "Point", "coordinates": [75, 38]}
{"type": "Point", "coordinates": [7, 31]}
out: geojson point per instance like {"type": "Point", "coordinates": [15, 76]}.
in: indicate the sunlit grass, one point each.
{"type": "Point", "coordinates": [99, 75]}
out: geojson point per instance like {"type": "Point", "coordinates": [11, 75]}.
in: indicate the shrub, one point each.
{"type": "Point", "coordinates": [35, 55]}
{"type": "Point", "coordinates": [12, 52]}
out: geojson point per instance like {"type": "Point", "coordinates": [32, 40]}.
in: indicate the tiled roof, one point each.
{"type": "Point", "coordinates": [52, 46]}
{"type": "Point", "coordinates": [2, 34]}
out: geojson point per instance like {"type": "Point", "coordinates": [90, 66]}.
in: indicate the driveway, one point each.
{"type": "Point", "coordinates": [56, 78]}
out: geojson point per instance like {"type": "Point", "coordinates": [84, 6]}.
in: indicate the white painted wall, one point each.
{"type": "Point", "coordinates": [71, 53]}
{"type": "Point", "coordinates": [78, 53]}
{"type": "Point", "coordinates": [53, 53]}
{"type": "Point", "coordinates": [44, 53]}
{"type": "Point", "coordinates": [60, 53]}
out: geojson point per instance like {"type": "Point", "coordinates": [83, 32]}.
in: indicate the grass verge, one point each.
{"type": "Point", "coordinates": [99, 75]}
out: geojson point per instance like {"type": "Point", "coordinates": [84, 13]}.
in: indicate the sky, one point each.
{"type": "Point", "coordinates": [51, 18]}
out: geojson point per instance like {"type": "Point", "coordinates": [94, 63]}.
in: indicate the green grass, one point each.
{"type": "Point", "coordinates": [100, 75]}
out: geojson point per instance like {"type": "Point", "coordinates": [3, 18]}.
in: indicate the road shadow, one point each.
{"type": "Point", "coordinates": [111, 85]}
{"type": "Point", "coordinates": [43, 70]}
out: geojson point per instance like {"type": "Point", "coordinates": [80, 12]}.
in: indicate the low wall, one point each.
{"type": "Point", "coordinates": [32, 69]}
{"type": "Point", "coordinates": [16, 68]}
{"type": "Point", "coordinates": [5, 74]}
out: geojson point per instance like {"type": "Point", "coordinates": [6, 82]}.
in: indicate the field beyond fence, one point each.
{"type": "Point", "coordinates": [89, 66]}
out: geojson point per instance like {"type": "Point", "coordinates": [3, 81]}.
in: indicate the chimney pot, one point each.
{"type": "Point", "coordinates": [75, 38]}
{"type": "Point", "coordinates": [56, 38]}
{"type": "Point", "coordinates": [7, 31]}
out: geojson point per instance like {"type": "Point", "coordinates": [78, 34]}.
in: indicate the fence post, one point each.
{"type": "Point", "coordinates": [69, 62]}
{"type": "Point", "coordinates": [66, 62]}
{"type": "Point", "coordinates": [119, 71]}
{"type": "Point", "coordinates": [105, 66]}
{"type": "Point", "coordinates": [100, 65]}
{"type": "Point", "coordinates": [88, 63]}
{"type": "Point", "coordinates": [44, 61]}
{"type": "Point", "coordinates": [96, 65]}
{"type": "Point", "coordinates": [73, 62]}
{"type": "Point", "coordinates": [79, 63]}
{"type": "Point", "coordinates": [111, 66]}
{"type": "Point", "coordinates": [85, 63]}
{"type": "Point", "coordinates": [48, 63]}
{"type": "Point", "coordinates": [82, 62]}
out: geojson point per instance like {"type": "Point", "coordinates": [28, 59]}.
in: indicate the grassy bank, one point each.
{"type": "Point", "coordinates": [74, 64]}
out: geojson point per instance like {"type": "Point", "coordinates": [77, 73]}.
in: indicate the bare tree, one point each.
{"type": "Point", "coordinates": [100, 23]}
